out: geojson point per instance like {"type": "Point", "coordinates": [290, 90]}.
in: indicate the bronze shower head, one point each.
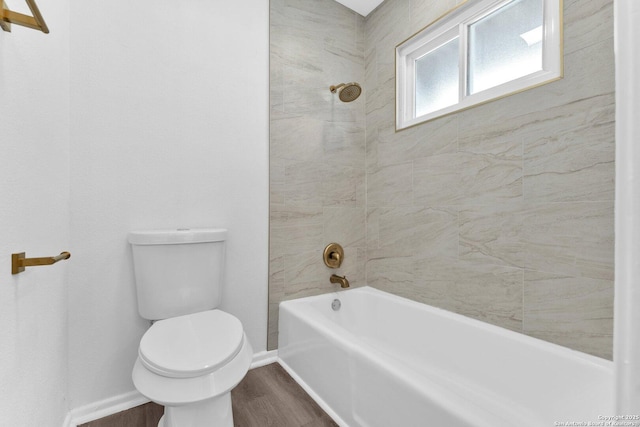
{"type": "Point", "coordinates": [347, 92]}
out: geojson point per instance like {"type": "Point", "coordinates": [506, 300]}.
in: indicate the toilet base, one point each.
{"type": "Point", "coordinates": [215, 412]}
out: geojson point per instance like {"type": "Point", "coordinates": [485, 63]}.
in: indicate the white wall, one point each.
{"type": "Point", "coordinates": [169, 129]}
{"type": "Point", "coordinates": [126, 116]}
{"type": "Point", "coordinates": [34, 218]}
{"type": "Point", "coordinates": [627, 317]}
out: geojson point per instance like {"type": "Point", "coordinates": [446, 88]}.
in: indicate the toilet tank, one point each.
{"type": "Point", "coordinates": [178, 271]}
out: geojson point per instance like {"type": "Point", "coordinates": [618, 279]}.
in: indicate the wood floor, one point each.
{"type": "Point", "coordinates": [146, 415]}
{"type": "Point", "coordinates": [266, 397]}
{"type": "Point", "coordinates": [269, 397]}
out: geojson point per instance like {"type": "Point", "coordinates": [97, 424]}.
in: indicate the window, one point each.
{"type": "Point", "coordinates": [484, 50]}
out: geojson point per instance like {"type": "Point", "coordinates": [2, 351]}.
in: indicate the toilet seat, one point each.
{"type": "Point", "coordinates": [172, 392]}
{"type": "Point", "coordinates": [191, 345]}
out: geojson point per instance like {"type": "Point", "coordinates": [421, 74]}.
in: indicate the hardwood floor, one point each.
{"type": "Point", "coordinates": [266, 397]}
{"type": "Point", "coordinates": [269, 397]}
{"type": "Point", "coordinates": [146, 415]}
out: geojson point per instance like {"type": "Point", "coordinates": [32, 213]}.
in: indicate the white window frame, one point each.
{"type": "Point", "coordinates": [456, 24]}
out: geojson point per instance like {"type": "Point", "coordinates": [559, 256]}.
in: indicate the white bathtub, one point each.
{"type": "Point", "coordinates": [385, 361]}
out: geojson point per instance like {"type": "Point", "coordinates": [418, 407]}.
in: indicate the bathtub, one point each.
{"type": "Point", "coordinates": [385, 361]}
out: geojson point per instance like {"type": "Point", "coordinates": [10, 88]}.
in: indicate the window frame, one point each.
{"type": "Point", "coordinates": [454, 24]}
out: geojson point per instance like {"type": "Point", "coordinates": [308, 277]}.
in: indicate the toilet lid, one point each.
{"type": "Point", "coordinates": [191, 345]}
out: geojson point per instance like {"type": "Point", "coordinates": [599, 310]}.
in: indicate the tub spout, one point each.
{"type": "Point", "coordinates": [344, 283]}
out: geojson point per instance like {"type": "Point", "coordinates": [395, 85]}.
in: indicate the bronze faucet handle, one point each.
{"type": "Point", "coordinates": [333, 255]}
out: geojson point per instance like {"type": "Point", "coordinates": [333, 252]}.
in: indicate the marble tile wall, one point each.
{"type": "Point", "coordinates": [503, 212]}
{"type": "Point", "coordinates": [317, 149]}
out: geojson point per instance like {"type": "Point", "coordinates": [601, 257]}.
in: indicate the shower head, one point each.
{"type": "Point", "coordinates": [347, 92]}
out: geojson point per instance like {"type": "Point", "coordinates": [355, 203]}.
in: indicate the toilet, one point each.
{"type": "Point", "coordinates": [193, 354]}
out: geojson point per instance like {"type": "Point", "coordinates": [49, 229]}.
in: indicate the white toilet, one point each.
{"type": "Point", "coordinates": [193, 355]}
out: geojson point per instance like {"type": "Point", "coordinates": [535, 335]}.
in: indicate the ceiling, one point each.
{"type": "Point", "coordinates": [363, 7]}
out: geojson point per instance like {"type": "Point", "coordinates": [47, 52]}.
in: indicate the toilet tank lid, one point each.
{"type": "Point", "coordinates": [177, 236]}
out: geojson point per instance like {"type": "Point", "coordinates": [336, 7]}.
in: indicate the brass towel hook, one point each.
{"type": "Point", "coordinates": [8, 17]}
{"type": "Point", "coordinates": [19, 261]}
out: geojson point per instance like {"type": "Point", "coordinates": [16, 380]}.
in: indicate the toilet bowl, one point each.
{"type": "Point", "coordinates": [189, 364]}
{"type": "Point", "coordinates": [191, 358]}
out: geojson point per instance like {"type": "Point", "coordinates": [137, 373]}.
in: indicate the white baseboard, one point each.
{"type": "Point", "coordinates": [264, 358]}
{"type": "Point", "coordinates": [113, 405]}
{"type": "Point", "coordinates": [103, 408]}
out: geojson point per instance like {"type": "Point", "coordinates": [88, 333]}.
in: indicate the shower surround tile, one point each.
{"type": "Point", "coordinates": [492, 235]}
{"type": "Point", "coordinates": [569, 153]}
{"type": "Point", "coordinates": [490, 179]}
{"type": "Point", "coordinates": [389, 273]}
{"type": "Point", "coordinates": [399, 147]}
{"type": "Point", "coordinates": [503, 212]}
{"type": "Point", "coordinates": [586, 22]}
{"type": "Point", "coordinates": [575, 239]}
{"type": "Point", "coordinates": [303, 183]}
{"type": "Point", "coordinates": [529, 179]}
{"type": "Point", "coordinates": [434, 174]}
{"type": "Point", "coordinates": [570, 311]}
{"type": "Point", "coordinates": [308, 131]}
{"type": "Point", "coordinates": [295, 229]}
{"type": "Point", "coordinates": [390, 185]}
{"type": "Point", "coordinates": [412, 231]}
{"type": "Point", "coordinates": [490, 293]}
{"type": "Point", "coordinates": [317, 149]}
{"type": "Point", "coordinates": [568, 238]}
{"type": "Point", "coordinates": [302, 268]}
{"type": "Point", "coordinates": [343, 144]}
{"type": "Point", "coordinates": [344, 224]}
{"type": "Point", "coordinates": [276, 181]}
{"type": "Point", "coordinates": [340, 185]}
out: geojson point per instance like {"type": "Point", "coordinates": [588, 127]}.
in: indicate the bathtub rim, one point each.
{"type": "Point", "coordinates": [520, 337]}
